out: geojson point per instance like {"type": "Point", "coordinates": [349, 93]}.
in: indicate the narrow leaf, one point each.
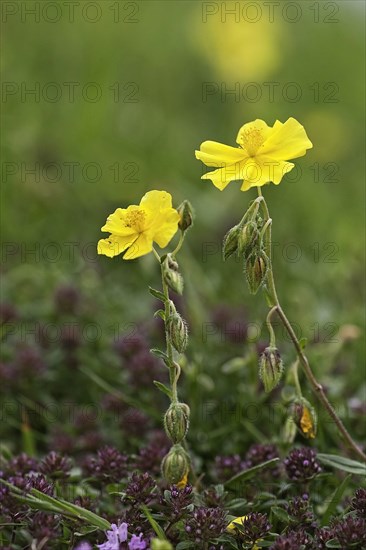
{"type": "Point", "coordinates": [157, 294]}
{"type": "Point", "coordinates": [337, 495]}
{"type": "Point", "coordinates": [163, 388]}
{"type": "Point", "coordinates": [342, 463]}
{"type": "Point", "coordinates": [154, 524]}
{"type": "Point", "coordinates": [247, 474]}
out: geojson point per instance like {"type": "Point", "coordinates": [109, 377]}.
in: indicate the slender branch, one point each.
{"type": "Point", "coordinates": [316, 387]}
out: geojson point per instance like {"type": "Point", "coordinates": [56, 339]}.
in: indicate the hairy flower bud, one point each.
{"type": "Point", "coordinates": [176, 421]}
{"type": "Point", "coordinates": [256, 267]}
{"type": "Point", "coordinates": [270, 368]}
{"type": "Point", "coordinates": [185, 212]}
{"type": "Point", "coordinates": [175, 465]}
{"type": "Point", "coordinates": [171, 274]}
{"type": "Point", "coordinates": [248, 238]}
{"type": "Point", "coordinates": [231, 242]}
{"type": "Point", "coordinates": [304, 416]}
{"type": "Point", "coordinates": [178, 331]}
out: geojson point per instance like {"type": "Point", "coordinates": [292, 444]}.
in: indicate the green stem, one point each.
{"type": "Point", "coordinates": [275, 304]}
{"type": "Point", "coordinates": [173, 373]}
{"type": "Point", "coordinates": [295, 372]}
{"type": "Point", "coordinates": [180, 242]}
{"type": "Point", "coordinates": [272, 337]}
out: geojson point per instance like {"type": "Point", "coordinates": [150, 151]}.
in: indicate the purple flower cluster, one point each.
{"type": "Point", "coordinates": [301, 464]}
{"type": "Point", "coordinates": [109, 465]}
{"type": "Point", "coordinates": [205, 525]}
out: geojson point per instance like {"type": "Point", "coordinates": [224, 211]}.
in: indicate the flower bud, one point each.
{"type": "Point", "coordinates": [171, 274]}
{"type": "Point", "coordinates": [248, 238]}
{"type": "Point", "coordinates": [230, 245]}
{"type": "Point", "coordinates": [304, 416]}
{"type": "Point", "coordinates": [185, 212]}
{"type": "Point", "coordinates": [175, 465]}
{"type": "Point", "coordinates": [270, 368]}
{"type": "Point", "coordinates": [176, 421]}
{"type": "Point", "coordinates": [159, 544]}
{"type": "Point", "coordinates": [256, 267]}
{"type": "Point", "coordinates": [178, 331]}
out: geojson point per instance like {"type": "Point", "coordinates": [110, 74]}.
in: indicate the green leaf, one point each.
{"type": "Point", "coordinates": [154, 524]}
{"type": "Point", "coordinates": [73, 509]}
{"type": "Point", "coordinates": [163, 388]}
{"type": "Point", "coordinates": [280, 513]}
{"type": "Point", "coordinates": [337, 495]}
{"type": "Point", "coordinates": [161, 354]}
{"type": "Point", "coordinates": [342, 463]}
{"type": "Point", "coordinates": [183, 545]}
{"type": "Point", "coordinates": [333, 543]}
{"type": "Point", "coordinates": [157, 294]}
{"type": "Point", "coordinates": [160, 313]}
{"type": "Point", "coordinates": [247, 474]}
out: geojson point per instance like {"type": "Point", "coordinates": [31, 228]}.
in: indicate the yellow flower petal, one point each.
{"type": "Point", "coordinates": [156, 200]}
{"type": "Point", "coordinates": [213, 153]}
{"type": "Point", "coordinates": [114, 244]}
{"type": "Point", "coordinates": [165, 226]}
{"type": "Point", "coordinates": [287, 141]}
{"type": "Point", "coordinates": [141, 246]}
{"type": "Point", "coordinates": [235, 522]}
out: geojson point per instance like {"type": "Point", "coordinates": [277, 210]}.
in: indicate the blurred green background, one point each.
{"type": "Point", "coordinates": [151, 81]}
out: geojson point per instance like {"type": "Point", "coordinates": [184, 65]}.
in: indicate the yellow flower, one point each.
{"type": "Point", "coordinates": [135, 228]}
{"type": "Point", "coordinates": [262, 155]}
{"type": "Point", "coordinates": [183, 482]}
{"type": "Point", "coordinates": [233, 527]}
{"type": "Point", "coordinates": [307, 424]}
{"type": "Point", "coordinates": [235, 522]}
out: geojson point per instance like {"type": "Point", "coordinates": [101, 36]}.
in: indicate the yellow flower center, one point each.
{"type": "Point", "coordinates": [251, 140]}
{"type": "Point", "coordinates": [135, 219]}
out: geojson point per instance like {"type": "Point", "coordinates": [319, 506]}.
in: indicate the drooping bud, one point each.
{"type": "Point", "coordinates": [171, 274]}
{"type": "Point", "coordinates": [256, 268]}
{"type": "Point", "coordinates": [175, 465]}
{"type": "Point", "coordinates": [176, 421]}
{"type": "Point", "coordinates": [231, 242]}
{"type": "Point", "coordinates": [304, 416]}
{"type": "Point", "coordinates": [186, 214]}
{"type": "Point", "coordinates": [178, 331]}
{"type": "Point", "coordinates": [248, 238]}
{"type": "Point", "coordinates": [270, 368]}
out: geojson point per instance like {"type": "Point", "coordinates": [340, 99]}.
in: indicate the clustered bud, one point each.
{"type": "Point", "coordinates": [270, 368]}
{"type": "Point", "coordinates": [175, 465]}
{"type": "Point", "coordinates": [177, 330]}
{"type": "Point", "coordinates": [248, 238]}
{"type": "Point", "coordinates": [185, 212]}
{"type": "Point", "coordinates": [171, 274]}
{"type": "Point", "coordinates": [256, 268]}
{"type": "Point", "coordinates": [176, 422]}
{"type": "Point", "coordinates": [231, 242]}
